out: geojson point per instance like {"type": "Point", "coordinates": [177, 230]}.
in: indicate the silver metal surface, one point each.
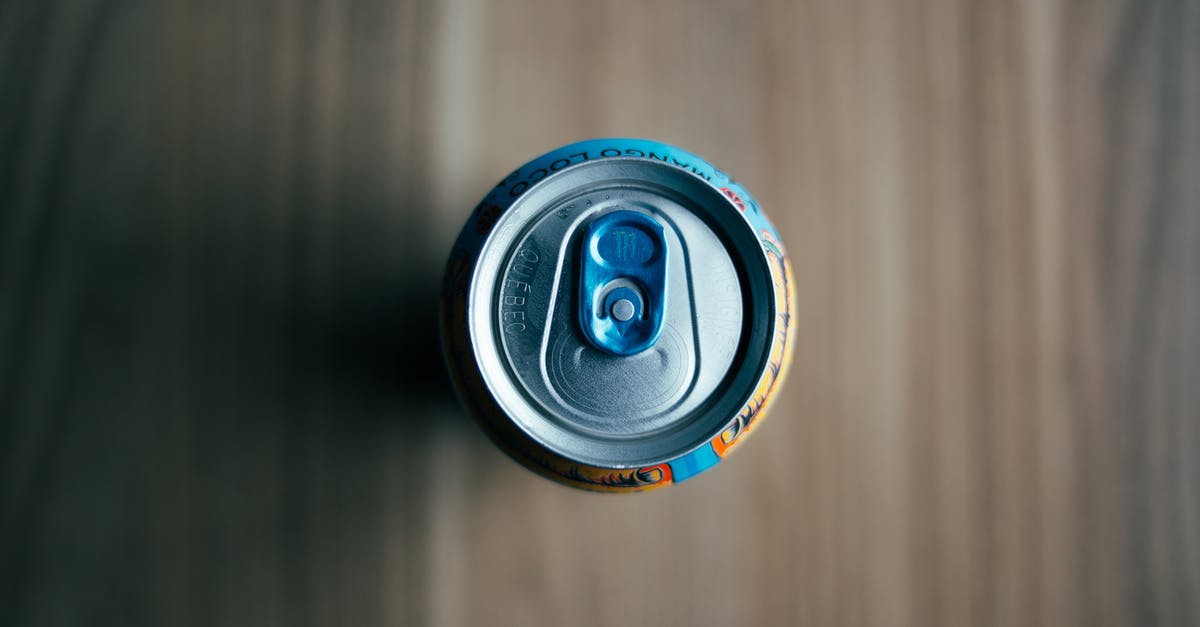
{"type": "Point", "coordinates": [604, 409]}
{"type": "Point", "coordinates": [622, 309]}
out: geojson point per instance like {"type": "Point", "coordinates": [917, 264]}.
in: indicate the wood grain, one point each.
{"type": "Point", "coordinates": [221, 233]}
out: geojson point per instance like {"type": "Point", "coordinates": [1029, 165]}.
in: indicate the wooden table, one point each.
{"type": "Point", "coordinates": [222, 225]}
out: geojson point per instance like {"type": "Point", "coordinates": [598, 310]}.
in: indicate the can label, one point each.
{"type": "Point", "coordinates": [515, 293]}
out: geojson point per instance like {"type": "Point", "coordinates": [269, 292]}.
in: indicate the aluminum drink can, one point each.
{"type": "Point", "coordinates": [615, 314]}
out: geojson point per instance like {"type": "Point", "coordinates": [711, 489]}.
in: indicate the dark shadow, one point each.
{"type": "Point", "coordinates": [381, 341]}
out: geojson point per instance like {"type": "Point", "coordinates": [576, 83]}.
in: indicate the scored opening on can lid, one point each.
{"type": "Point", "coordinates": [686, 377]}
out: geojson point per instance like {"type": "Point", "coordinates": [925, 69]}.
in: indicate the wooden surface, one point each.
{"type": "Point", "coordinates": [222, 226]}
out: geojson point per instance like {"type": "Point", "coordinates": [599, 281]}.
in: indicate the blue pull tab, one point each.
{"type": "Point", "coordinates": [623, 281]}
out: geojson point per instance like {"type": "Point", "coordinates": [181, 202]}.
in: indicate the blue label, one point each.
{"type": "Point", "coordinates": [694, 463]}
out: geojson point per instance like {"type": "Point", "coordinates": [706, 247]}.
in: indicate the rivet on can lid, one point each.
{"type": "Point", "coordinates": [622, 310]}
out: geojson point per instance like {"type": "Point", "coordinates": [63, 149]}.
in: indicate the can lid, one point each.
{"type": "Point", "coordinates": [621, 312]}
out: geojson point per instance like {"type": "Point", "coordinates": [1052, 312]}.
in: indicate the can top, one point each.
{"type": "Point", "coordinates": [621, 312]}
